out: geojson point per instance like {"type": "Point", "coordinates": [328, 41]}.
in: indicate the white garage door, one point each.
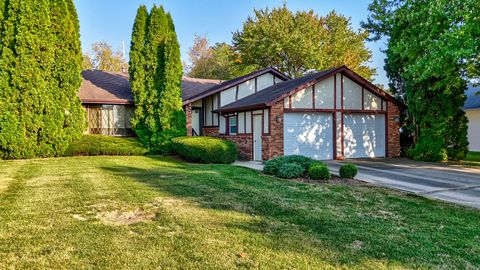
{"type": "Point", "coordinates": [364, 135]}
{"type": "Point", "coordinates": [308, 134]}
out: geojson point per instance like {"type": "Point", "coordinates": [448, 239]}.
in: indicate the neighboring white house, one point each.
{"type": "Point", "coordinates": [472, 109]}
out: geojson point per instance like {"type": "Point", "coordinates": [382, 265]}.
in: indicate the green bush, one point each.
{"type": "Point", "coordinates": [205, 149]}
{"type": "Point", "coordinates": [271, 167]}
{"type": "Point", "coordinates": [348, 171]}
{"type": "Point", "coordinates": [97, 145]}
{"type": "Point", "coordinates": [290, 170]}
{"type": "Point", "coordinates": [428, 149]}
{"type": "Point", "coordinates": [303, 161]}
{"type": "Point", "coordinates": [319, 171]}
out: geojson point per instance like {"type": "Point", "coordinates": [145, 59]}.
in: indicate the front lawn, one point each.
{"type": "Point", "coordinates": [473, 156]}
{"type": "Point", "coordinates": [149, 212]}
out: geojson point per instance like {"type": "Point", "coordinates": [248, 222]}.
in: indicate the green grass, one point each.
{"type": "Point", "coordinates": [473, 156]}
{"type": "Point", "coordinates": [82, 212]}
{"type": "Point", "coordinates": [97, 145]}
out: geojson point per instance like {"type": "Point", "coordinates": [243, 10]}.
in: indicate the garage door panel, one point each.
{"type": "Point", "coordinates": [308, 134]}
{"type": "Point", "coordinates": [364, 135]}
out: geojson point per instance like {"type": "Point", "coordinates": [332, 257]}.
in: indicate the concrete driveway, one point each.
{"type": "Point", "coordinates": [434, 180]}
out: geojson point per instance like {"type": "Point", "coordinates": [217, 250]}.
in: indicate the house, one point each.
{"type": "Point", "coordinates": [472, 110]}
{"type": "Point", "coordinates": [332, 114]}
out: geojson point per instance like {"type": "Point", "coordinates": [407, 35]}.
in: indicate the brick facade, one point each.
{"type": "Point", "coordinates": [188, 113]}
{"type": "Point", "coordinates": [393, 130]}
{"type": "Point", "coordinates": [210, 131]}
{"type": "Point", "coordinates": [244, 144]}
{"type": "Point", "coordinates": [272, 144]}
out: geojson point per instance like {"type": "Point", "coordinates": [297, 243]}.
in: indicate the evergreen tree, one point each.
{"type": "Point", "coordinates": [39, 110]}
{"type": "Point", "coordinates": [159, 116]}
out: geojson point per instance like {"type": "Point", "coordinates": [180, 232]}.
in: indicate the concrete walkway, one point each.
{"type": "Point", "coordinates": [433, 180]}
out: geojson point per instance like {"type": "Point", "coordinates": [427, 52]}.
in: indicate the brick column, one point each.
{"type": "Point", "coordinates": [393, 129]}
{"type": "Point", "coordinates": [188, 114]}
{"type": "Point", "coordinates": [272, 144]}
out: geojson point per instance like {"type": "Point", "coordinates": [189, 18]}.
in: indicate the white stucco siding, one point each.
{"type": "Point", "coordinates": [352, 95]}
{"type": "Point", "coordinates": [245, 89]}
{"type": "Point", "coordinates": [303, 99]}
{"type": "Point", "coordinates": [228, 96]}
{"type": "Point", "coordinates": [473, 129]}
{"type": "Point", "coordinates": [371, 101]}
{"type": "Point", "coordinates": [264, 81]}
{"type": "Point", "coordinates": [324, 94]}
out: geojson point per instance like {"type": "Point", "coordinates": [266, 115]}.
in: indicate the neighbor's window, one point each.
{"type": "Point", "coordinates": [232, 125]}
{"type": "Point", "coordinates": [109, 119]}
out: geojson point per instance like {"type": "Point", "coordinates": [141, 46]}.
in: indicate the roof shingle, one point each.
{"type": "Point", "coordinates": [473, 97]}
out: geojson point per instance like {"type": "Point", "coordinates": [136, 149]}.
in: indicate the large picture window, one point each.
{"type": "Point", "coordinates": [111, 120]}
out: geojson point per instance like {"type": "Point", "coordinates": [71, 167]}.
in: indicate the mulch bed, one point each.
{"type": "Point", "coordinates": [334, 180]}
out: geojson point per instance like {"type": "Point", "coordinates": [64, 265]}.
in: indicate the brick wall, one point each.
{"type": "Point", "coordinates": [393, 130]}
{"type": "Point", "coordinates": [272, 144]}
{"type": "Point", "coordinates": [210, 131]}
{"type": "Point", "coordinates": [188, 113]}
{"type": "Point", "coordinates": [244, 144]}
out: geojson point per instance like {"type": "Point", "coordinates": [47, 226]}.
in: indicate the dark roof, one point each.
{"type": "Point", "coordinates": [193, 86]}
{"type": "Point", "coordinates": [228, 84]}
{"type": "Point", "coordinates": [105, 87]}
{"type": "Point", "coordinates": [266, 96]}
{"type": "Point", "coordinates": [473, 97]}
{"type": "Point", "coordinates": [102, 87]}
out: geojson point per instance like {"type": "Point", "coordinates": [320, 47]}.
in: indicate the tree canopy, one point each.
{"type": "Point", "coordinates": [40, 65]}
{"type": "Point", "coordinates": [297, 43]}
{"type": "Point", "coordinates": [156, 78]}
{"type": "Point", "coordinates": [218, 61]}
{"type": "Point", "coordinates": [103, 57]}
{"type": "Point", "coordinates": [432, 50]}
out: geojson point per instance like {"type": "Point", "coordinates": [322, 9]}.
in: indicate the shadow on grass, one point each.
{"type": "Point", "coordinates": [393, 229]}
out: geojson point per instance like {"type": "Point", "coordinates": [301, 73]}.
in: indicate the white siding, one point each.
{"type": "Point", "coordinates": [339, 91]}
{"type": "Point", "coordinates": [352, 95]}
{"type": "Point", "coordinates": [228, 96]}
{"type": "Point", "coordinates": [241, 123]}
{"type": "Point", "coordinates": [247, 88]}
{"type": "Point", "coordinates": [364, 135]}
{"type": "Point", "coordinates": [303, 99]}
{"type": "Point", "coordinates": [286, 102]}
{"type": "Point", "coordinates": [266, 124]}
{"type": "Point", "coordinates": [248, 122]}
{"type": "Point", "coordinates": [308, 134]}
{"type": "Point", "coordinates": [324, 94]}
{"type": "Point", "coordinates": [208, 111]}
{"type": "Point", "coordinates": [264, 81]}
{"type": "Point", "coordinates": [197, 103]}
{"type": "Point", "coordinates": [215, 106]}
{"type": "Point", "coordinates": [473, 129]}
{"type": "Point", "coordinates": [222, 125]}
{"type": "Point", "coordinates": [371, 101]}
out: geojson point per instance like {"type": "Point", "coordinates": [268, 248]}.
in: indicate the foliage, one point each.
{"type": "Point", "coordinates": [348, 171]}
{"type": "Point", "coordinates": [432, 50]}
{"type": "Point", "coordinates": [303, 161]}
{"type": "Point", "coordinates": [156, 77]}
{"type": "Point", "coordinates": [205, 149]}
{"type": "Point", "coordinates": [40, 65]}
{"type": "Point", "coordinates": [219, 61]}
{"type": "Point", "coordinates": [96, 145]}
{"type": "Point", "coordinates": [318, 171]}
{"type": "Point", "coordinates": [271, 166]}
{"type": "Point", "coordinates": [87, 62]}
{"type": "Point", "coordinates": [297, 43]}
{"type": "Point", "coordinates": [105, 58]}
{"type": "Point", "coordinates": [290, 170]}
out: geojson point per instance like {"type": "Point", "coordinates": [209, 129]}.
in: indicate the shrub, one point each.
{"type": "Point", "coordinates": [348, 171]}
{"type": "Point", "coordinates": [319, 171]}
{"type": "Point", "coordinates": [205, 149]}
{"type": "Point", "coordinates": [290, 170]}
{"type": "Point", "coordinates": [96, 145]}
{"type": "Point", "coordinates": [271, 167]}
{"type": "Point", "coordinates": [303, 161]}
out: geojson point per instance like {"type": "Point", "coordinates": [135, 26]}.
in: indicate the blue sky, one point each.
{"type": "Point", "coordinates": [112, 20]}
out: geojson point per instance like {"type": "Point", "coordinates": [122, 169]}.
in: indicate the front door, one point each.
{"type": "Point", "coordinates": [195, 122]}
{"type": "Point", "coordinates": [257, 137]}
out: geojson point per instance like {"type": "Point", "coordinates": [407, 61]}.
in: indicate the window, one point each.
{"type": "Point", "coordinates": [232, 125]}
{"type": "Point", "coordinates": [109, 119]}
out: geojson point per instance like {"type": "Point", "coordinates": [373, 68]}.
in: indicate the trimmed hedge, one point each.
{"type": "Point", "coordinates": [205, 149]}
{"type": "Point", "coordinates": [98, 145]}
{"type": "Point", "coordinates": [303, 161]}
{"type": "Point", "coordinates": [319, 171]}
{"type": "Point", "coordinates": [271, 167]}
{"type": "Point", "coordinates": [290, 170]}
{"type": "Point", "coordinates": [348, 171]}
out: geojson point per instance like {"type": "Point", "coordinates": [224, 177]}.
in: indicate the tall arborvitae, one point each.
{"type": "Point", "coordinates": [136, 72]}
{"type": "Point", "coordinates": [39, 111]}
{"type": "Point", "coordinates": [160, 117]}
